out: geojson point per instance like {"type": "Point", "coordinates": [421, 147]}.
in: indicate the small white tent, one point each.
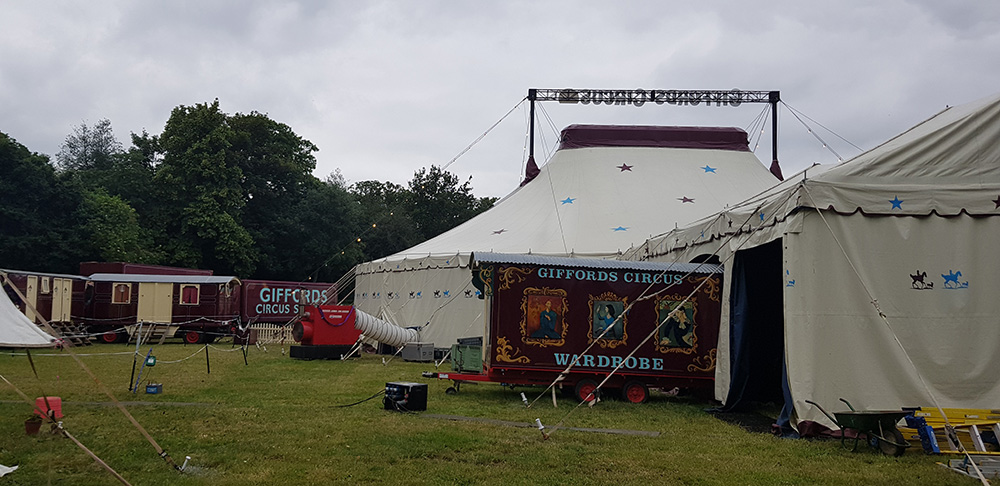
{"type": "Point", "coordinates": [605, 190]}
{"type": "Point", "coordinates": [875, 281]}
{"type": "Point", "coordinates": [16, 331]}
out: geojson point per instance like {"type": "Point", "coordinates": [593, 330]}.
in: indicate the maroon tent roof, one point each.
{"type": "Point", "coordinates": [715, 138]}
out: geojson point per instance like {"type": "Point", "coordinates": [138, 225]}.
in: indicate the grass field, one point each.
{"type": "Point", "coordinates": [277, 420]}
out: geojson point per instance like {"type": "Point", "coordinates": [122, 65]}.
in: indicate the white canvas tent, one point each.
{"type": "Point", "coordinates": [875, 281]}
{"type": "Point", "coordinates": [606, 189]}
{"type": "Point", "coordinates": [16, 331]}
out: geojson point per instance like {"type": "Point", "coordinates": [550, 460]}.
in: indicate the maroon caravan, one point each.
{"type": "Point", "coordinates": [54, 297]}
{"type": "Point", "coordinates": [199, 307]}
{"type": "Point", "coordinates": [545, 313]}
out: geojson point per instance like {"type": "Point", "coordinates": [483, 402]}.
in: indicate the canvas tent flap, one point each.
{"type": "Point", "coordinates": [16, 331]}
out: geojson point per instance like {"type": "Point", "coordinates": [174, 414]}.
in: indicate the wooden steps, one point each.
{"type": "Point", "coordinates": [74, 333]}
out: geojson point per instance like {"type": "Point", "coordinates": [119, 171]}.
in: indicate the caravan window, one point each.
{"type": "Point", "coordinates": [189, 294]}
{"type": "Point", "coordinates": [121, 293]}
{"type": "Point", "coordinates": [45, 285]}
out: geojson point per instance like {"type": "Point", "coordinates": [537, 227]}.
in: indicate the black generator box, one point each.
{"type": "Point", "coordinates": [402, 396]}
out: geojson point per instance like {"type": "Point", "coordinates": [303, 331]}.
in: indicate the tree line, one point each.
{"type": "Point", "coordinates": [234, 193]}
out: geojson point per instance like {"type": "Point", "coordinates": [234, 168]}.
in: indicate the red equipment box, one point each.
{"type": "Point", "coordinates": [325, 332]}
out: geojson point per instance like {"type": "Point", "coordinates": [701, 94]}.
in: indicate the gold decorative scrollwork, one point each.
{"type": "Point", "coordinates": [711, 286]}
{"type": "Point", "coordinates": [511, 275]}
{"type": "Point", "coordinates": [486, 275]}
{"type": "Point", "coordinates": [503, 352]}
{"type": "Point", "coordinates": [704, 363]}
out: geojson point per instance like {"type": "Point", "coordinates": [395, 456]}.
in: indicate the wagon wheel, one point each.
{"type": "Point", "coordinates": [890, 443]}
{"type": "Point", "coordinates": [192, 337]}
{"type": "Point", "coordinates": [111, 337]}
{"type": "Point", "coordinates": [635, 392]}
{"type": "Point", "coordinates": [586, 390]}
{"type": "Point", "coordinates": [451, 391]}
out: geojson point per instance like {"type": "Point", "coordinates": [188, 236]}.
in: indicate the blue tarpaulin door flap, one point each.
{"type": "Point", "coordinates": [756, 331]}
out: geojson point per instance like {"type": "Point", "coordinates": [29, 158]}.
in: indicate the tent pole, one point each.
{"type": "Point", "coordinates": [532, 94]}
{"type": "Point", "coordinates": [773, 98]}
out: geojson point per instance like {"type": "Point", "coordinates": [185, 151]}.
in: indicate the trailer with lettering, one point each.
{"type": "Point", "coordinates": [109, 300]}
{"type": "Point", "coordinates": [644, 324]}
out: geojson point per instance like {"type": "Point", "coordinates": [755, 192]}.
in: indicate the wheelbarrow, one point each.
{"type": "Point", "coordinates": [878, 426]}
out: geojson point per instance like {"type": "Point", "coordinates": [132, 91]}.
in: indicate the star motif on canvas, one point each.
{"type": "Point", "coordinates": [685, 199]}
{"type": "Point", "coordinates": [620, 228]}
{"type": "Point", "coordinates": [997, 202]}
{"type": "Point", "coordinates": [499, 231]}
{"type": "Point", "coordinates": [709, 169]}
{"type": "Point", "coordinates": [625, 167]}
{"type": "Point", "coordinates": [568, 200]}
{"type": "Point", "coordinates": [761, 217]}
{"type": "Point", "coordinates": [896, 203]}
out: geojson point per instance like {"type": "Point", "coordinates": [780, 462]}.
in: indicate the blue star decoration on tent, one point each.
{"type": "Point", "coordinates": [685, 199]}
{"type": "Point", "coordinates": [761, 217]}
{"type": "Point", "coordinates": [709, 169]}
{"type": "Point", "coordinates": [447, 292]}
{"type": "Point", "coordinates": [499, 231]}
{"type": "Point", "coordinates": [625, 167]}
{"type": "Point", "coordinates": [620, 228]}
{"type": "Point", "coordinates": [896, 203]}
{"type": "Point", "coordinates": [997, 202]}
{"type": "Point", "coordinates": [568, 200]}
{"type": "Point", "coordinates": [791, 282]}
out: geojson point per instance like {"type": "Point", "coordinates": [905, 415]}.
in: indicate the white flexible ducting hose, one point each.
{"type": "Point", "coordinates": [383, 331]}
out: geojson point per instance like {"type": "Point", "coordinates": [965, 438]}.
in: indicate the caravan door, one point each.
{"type": "Point", "coordinates": [156, 300]}
{"type": "Point", "coordinates": [62, 300]}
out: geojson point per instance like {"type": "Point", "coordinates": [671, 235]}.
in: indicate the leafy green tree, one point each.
{"type": "Point", "coordinates": [113, 229]}
{"type": "Point", "coordinates": [277, 166]}
{"type": "Point", "coordinates": [199, 184]}
{"type": "Point", "coordinates": [37, 213]}
{"type": "Point", "coordinates": [116, 182]}
{"type": "Point", "coordinates": [384, 215]}
{"type": "Point", "coordinates": [89, 148]}
{"type": "Point", "coordinates": [321, 235]}
{"type": "Point", "coordinates": [440, 202]}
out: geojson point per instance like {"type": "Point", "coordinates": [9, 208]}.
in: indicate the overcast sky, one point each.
{"type": "Point", "coordinates": [385, 88]}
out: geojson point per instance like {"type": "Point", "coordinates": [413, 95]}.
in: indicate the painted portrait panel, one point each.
{"type": "Point", "coordinates": [544, 320]}
{"type": "Point", "coordinates": [677, 331]}
{"type": "Point", "coordinates": [608, 321]}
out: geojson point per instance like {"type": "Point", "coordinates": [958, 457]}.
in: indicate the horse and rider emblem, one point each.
{"type": "Point", "coordinates": [920, 281]}
{"type": "Point", "coordinates": [951, 280]}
